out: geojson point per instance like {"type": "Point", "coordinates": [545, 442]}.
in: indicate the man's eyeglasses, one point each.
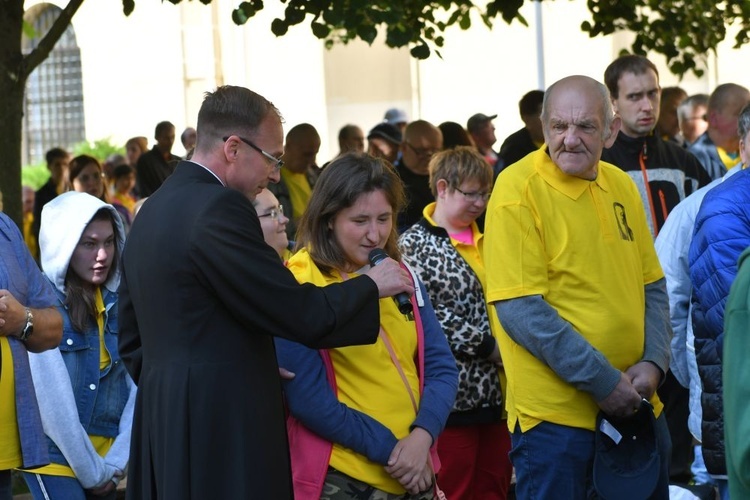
{"type": "Point", "coordinates": [474, 196]}
{"type": "Point", "coordinates": [278, 163]}
{"type": "Point", "coordinates": [274, 213]}
{"type": "Point", "coordinates": [422, 151]}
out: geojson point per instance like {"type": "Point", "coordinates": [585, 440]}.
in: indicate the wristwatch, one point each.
{"type": "Point", "coordinates": [28, 329]}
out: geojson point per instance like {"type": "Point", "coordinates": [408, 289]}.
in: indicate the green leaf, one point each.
{"type": "Point", "coordinates": [421, 51]}
{"type": "Point", "coordinates": [28, 30]}
{"type": "Point", "coordinates": [320, 30]}
{"type": "Point", "coordinates": [465, 21]}
{"type": "Point", "coordinates": [128, 6]}
{"type": "Point", "coordinates": [367, 32]}
{"type": "Point", "coordinates": [279, 27]}
{"type": "Point", "coordinates": [239, 17]}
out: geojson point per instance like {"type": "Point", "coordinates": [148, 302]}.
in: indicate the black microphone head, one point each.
{"type": "Point", "coordinates": [376, 256]}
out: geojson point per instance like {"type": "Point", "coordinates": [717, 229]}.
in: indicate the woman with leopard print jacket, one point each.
{"type": "Point", "coordinates": [445, 249]}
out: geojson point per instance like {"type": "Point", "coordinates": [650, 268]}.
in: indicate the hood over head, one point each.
{"type": "Point", "coordinates": [63, 221]}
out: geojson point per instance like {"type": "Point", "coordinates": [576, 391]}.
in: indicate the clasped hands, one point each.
{"type": "Point", "coordinates": [408, 463]}
{"type": "Point", "coordinates": [638, 382]}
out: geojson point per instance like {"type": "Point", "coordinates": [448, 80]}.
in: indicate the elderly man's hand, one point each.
{"type": "Point", "coordinates": [623, 401]}
{"type": "Point", "coordinates": [12, 314]}
{"type": "Point", "coordinates": [645, 377]}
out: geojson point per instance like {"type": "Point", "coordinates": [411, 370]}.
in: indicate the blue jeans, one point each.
{"type": "Point", "coordinates": [556, 461]}
{"type": "Point", "coordinates": [6, 491]}
{"type": "Point", "coordinates": [43, 486]}
{"type": "Point", "coordinates": [700, 474]}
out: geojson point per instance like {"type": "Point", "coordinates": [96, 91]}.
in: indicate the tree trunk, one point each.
{"type": "Point", "coordinates": [12, 82]}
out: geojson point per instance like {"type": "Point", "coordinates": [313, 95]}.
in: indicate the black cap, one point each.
{"type": "Point", "coordinates": [386, 131]}
{"type": "Point", "coordinates": [626, 461]}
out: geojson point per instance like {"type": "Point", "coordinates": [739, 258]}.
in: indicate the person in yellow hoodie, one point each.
{"type": "Point", "coordinates": [378, 408]}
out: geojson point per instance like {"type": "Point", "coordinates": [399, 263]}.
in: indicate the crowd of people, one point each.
{"type": "Point", "coordinates": [420, 317]}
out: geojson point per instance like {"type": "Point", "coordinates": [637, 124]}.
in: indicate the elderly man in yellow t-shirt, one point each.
{"type": "Point", "coordinates": [580, 294]}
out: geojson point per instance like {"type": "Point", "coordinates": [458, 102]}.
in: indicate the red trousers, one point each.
{"type": "Point", "coordinates": [475, 463]}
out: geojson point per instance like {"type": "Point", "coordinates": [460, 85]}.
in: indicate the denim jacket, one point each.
{"type": "Point", "coordinates": [20, 275]}
{"type": "Point", "coordinates": [100, 395]}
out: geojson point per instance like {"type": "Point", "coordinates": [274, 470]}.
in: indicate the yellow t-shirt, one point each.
{"type": "Point", "coordinates": [125, 200]}
{"type": "Point", "coordinates": [584, 246]}
{"type": "Point", "coordinates": [299, 191]}
{"type": "Point", "coordinates": [368, 381]}
{"type": "Point", "coordinates": [728, 160]}
{"type": "Point", "coordinates": [10, 441]}
{"type": "Point", "coordinates": [101, 444]}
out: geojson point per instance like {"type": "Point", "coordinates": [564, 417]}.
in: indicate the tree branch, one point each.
{"type": "Point", "coordinates": [40, 53]}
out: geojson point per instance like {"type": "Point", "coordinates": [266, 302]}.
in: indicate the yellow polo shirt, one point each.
{"type": "Point", "coordinates": [585, 247]}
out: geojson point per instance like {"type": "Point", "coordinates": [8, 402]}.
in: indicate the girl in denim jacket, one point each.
{"type": "Point", "coordinates": [86, 397]}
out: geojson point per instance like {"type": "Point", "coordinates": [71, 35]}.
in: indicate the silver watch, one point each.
{"type": "Point", "coordinates": [28, 329]}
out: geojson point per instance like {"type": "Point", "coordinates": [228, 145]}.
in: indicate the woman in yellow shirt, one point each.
{"type": "Point", "coordinates": [382, 406]}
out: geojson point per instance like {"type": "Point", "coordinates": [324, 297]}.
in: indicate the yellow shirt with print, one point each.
{"type": "Point", "coordinates": [101, 444]}
{"type": "Point", "coordinates": [585, 247]}
{"type": "Point", "coordinates": [368, 381]}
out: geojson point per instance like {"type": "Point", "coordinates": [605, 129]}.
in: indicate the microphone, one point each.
{"type": "Point", "coordinates": [377, 256]}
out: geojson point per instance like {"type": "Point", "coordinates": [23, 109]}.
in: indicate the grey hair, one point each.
{"type": "Point", "coordinates": [609, 114]}
{"type": "Point", "coordinates": [686, 106]}
{"type": "Point", "coordinates": [743, 122]}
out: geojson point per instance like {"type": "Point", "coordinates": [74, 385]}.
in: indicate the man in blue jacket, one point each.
{"type": "Point", "coordinates": [722, 232]}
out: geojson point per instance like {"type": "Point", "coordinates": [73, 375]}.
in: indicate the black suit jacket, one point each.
{"type": "Point", "coordinates": [200, 299]}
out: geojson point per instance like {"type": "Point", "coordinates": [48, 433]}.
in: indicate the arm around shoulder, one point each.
{"type": "Point", "coordinates": [312, 401]}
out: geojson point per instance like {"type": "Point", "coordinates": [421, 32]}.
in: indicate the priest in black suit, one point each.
{"type": "Point", "coordinates": [201, 297]}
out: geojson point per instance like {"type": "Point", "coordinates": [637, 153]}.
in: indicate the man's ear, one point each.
{"type": "Point", "coordinates": [230, 149]}
{"type": "Point", "coordinates": [614, 128]}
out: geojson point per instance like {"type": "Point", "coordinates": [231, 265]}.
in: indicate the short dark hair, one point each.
{"type": "Point", "coordinates": [531, 103]}
{"type": "Point", "coordinates": [55, 153]}
{"type": "Point", "coordinates": [342, 182]}
{"type": "Point", "coordinates": [122, 171]}
{"type": "Point", "coordinates": [162, 127]}
{"type": "Point", "coordinates": [346, 131]}
{"type": "Point", "coordinates": [230, 110]}
{"type": "Point", "coordinates": [629, 63]}
{"type": "Point", "coordinates": [454, 135]}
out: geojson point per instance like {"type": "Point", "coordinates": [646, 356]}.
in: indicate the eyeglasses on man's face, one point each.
{"type": "Point", "coordinates": [277, 162]}
{"type": "Point", "coordinates": [474, 195]}
{"type": "Point", "coordinates": [422, 151]}
{"type": "Point", "coordinates": [274, 214]}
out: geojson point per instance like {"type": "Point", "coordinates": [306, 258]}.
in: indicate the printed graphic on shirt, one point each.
{"type": "Point", "coordinates": [622, 222]}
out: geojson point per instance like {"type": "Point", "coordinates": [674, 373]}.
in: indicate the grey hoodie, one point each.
{"type": "Point", "coordinates": [63, 221]}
